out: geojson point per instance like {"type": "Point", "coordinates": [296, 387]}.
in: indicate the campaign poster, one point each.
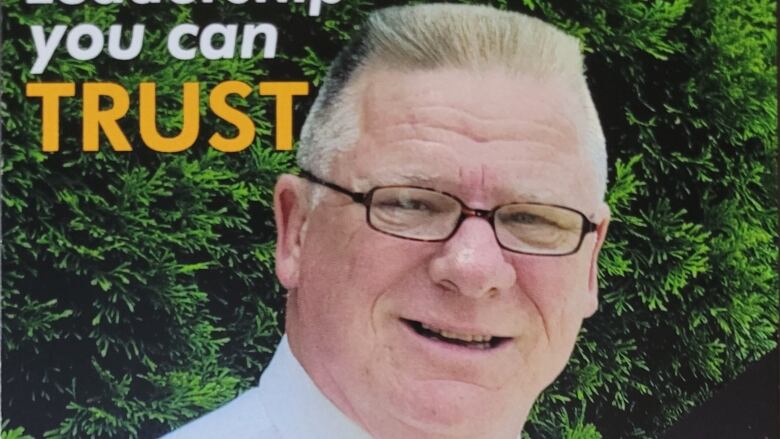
{"type": "Point", "coordinates": [141, 141]}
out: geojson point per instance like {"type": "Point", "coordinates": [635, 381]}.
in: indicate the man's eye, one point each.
{"type": "Point", "coordinates": [525, 218]}
{"type": "Point", "coordinates": [407, 204]}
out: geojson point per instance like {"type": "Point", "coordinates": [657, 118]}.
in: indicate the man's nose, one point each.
{"type": "Point", "coordinates": [472, 263]}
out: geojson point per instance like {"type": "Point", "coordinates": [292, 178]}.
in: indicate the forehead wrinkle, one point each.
{"type": "Point", "coordinates": [487, 129]}
{"type": "Point", "coordinates": [434, 136]}
{"type": "Point", "coordinates": [386, 177]}
{"type": "Point", "coordinates": [434, 110]}
{"type": "Point", "coordinates": [469, 185]}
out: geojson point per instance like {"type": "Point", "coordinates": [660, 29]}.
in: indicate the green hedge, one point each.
{"type": "Point", "coordinates": [138, 288]}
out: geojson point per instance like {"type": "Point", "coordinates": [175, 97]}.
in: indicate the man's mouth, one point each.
{"type": "Point", "coordinates": [471, 341]}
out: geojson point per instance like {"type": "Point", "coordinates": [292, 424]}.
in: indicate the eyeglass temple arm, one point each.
{"type": "Point", "coordinates": [357, 197]}
{"type": "Point", "coordinates": [590, 226]}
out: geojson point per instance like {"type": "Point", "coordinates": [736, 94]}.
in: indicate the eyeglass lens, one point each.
{"type": "Point", "coordinates": [422, 214]}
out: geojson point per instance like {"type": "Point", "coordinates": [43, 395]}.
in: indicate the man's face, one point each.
{"type": "Point", "coordinates": [359, 296]}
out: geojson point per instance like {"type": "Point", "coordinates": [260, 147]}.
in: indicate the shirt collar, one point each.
{"type": "Point", "coordinates": [296, 406]}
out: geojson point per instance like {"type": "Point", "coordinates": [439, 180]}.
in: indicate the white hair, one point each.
{"type": "Point", "coordinates": [432, 36]}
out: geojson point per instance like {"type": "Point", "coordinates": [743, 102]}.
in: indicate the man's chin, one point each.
{"type": "Point", "coordinates": [455, 408]}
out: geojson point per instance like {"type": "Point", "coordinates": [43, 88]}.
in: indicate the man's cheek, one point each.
{"type": "Point", "coordinates": [552, 277]}
{"type": "Point", "coordinates": [380, 259]}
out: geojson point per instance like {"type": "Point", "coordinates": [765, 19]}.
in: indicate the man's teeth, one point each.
{"type": "Point", "coordinates": [478, 338]}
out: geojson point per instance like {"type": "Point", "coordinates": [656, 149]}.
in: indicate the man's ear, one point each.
{"type": "Point", "coordinates": [290, 213]}
{"type": "Point", "coordinates": [593, 280]}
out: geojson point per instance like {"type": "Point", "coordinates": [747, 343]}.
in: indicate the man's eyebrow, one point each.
{"type": "Point", "coordinates": [509, 194]}
{"type": "Point", "coordinates": [405, 178]}
{"type": "Point", "coordinates": [517, 195]}
{"type": "Point", "coordinates": [522, 197]}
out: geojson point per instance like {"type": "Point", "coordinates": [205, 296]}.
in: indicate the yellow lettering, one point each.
{"type": "Point", "coordinates": [190, 118]}
{"type": "Point", "coordinates": [50, 94]}
{"type": "Point", "coordinates": [96, 119]}
{"type": "Point", "coordinates": [284, 91]}
{"type": "Point", "coordinates": [220, 107]}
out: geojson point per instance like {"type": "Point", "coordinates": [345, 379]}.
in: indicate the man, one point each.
{"type": "Point", "coordinates": [440, 246]}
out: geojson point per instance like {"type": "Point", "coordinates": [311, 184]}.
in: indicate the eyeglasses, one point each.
{"type": "Point", "coordinates": [423, 214]}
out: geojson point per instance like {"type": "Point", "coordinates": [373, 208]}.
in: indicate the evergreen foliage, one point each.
{"type": "Point", "coordinates": [138, 288]}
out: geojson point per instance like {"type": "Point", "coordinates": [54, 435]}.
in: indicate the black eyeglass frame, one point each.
{"type": "Point", "coordinates": [364, 198]}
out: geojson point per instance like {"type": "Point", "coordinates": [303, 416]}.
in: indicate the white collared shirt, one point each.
{"type": "Point", "coordinates": [285, 405]}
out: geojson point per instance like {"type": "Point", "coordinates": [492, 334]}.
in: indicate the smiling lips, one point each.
{"type": "Point", "coordinates": [472, 341]}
